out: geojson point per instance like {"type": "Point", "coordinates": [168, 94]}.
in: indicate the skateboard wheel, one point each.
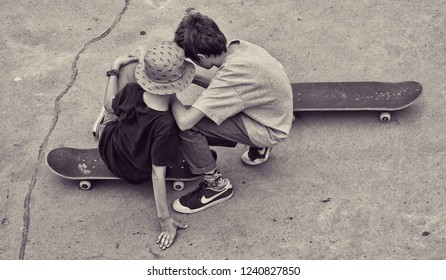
{"type": "Point", "coordinates": [385, 117]}
{"type": "Point", "coordinates": [178, 185]}
{"type": "Point", "coordinates": [85, 185]}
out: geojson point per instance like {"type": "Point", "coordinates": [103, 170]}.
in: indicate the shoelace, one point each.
{"type": "Point", "coordinates": [216, 181]}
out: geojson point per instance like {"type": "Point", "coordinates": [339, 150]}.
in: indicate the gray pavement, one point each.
{"type": "Point", "coordinates": [343, 185]}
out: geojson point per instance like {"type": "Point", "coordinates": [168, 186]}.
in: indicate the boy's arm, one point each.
{"type": "Point", "coordinates": [110, 91]}
{"type": "Point", "coordinates": [185, 117]}
{"type": "Point", "coordinates": [159, 191]}
{"type": "Point", "coordinates": [168, 225]}
{"type": "Point", "coordinates": [112, 84]}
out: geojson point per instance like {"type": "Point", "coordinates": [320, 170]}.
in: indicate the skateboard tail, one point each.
{"type": "Point", "coordinates": [74, 164]}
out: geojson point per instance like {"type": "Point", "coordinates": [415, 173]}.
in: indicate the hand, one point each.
{"type": "Point", "coordinates": [123, 60]}
{"type": "Point", "coordinates": [169, 228]}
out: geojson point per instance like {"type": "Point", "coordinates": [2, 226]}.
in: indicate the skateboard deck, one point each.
{"type": "Point", "coordinates": [355, 96]}
{"type": "Point", "coordinates": [86, 165]}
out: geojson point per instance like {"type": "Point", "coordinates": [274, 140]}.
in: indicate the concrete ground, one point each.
{"type": "Point", "coordinates": [343, 185]}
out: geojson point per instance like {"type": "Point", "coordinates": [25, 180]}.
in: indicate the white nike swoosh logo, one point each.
{"type": "Point", "coordinates": [206, 200]}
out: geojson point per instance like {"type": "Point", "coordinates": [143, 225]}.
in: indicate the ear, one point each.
{"type": "Point", "coordinates": [201, 56]}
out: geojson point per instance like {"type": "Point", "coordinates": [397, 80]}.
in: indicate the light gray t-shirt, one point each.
{"type": "Point", "coordinates": [253, 83]}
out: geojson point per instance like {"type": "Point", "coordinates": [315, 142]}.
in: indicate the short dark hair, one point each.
{"type": "Point", "coordinates": [198, 33]}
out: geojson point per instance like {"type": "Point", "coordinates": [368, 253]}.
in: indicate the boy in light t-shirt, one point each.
{"type": "Point", "coordinates": [248, 101]}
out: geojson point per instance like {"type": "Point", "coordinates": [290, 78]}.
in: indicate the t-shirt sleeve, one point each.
{"type": "Point", "coordinates": [120, 97]}
{"type": "Point", "coordinates": [220, 100]}
{"type": "Point", "coordinates": [166, 143]}
{"type": "Point", "coordinates": [116, 102]}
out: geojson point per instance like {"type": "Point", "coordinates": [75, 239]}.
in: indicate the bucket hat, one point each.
{"type": "Point", "coordinates": [163, 70]}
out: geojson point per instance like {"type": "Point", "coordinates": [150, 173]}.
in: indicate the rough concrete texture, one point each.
{"type": "Point", "coordinates": [343, 185]}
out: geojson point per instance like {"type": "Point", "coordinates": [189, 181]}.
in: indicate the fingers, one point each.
{"type": "Point", "coordinates": [129, 54]}
{"type": "Point", "coordinates": [182, 226]}
{"type": "Point", "coordinates": [160, 236]}
{"type": "Point", "coordinates": [167, 236]}
{"type": "Point", "coordinates": [166, 239]}
{"type": "Point", "coordinates": [130, 58]}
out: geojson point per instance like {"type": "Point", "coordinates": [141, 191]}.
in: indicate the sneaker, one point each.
{"type": "Point", "coordinates": [98, 122]}
{"type": "Point", "coordinates": [103, 118]}
{"type": "Point", "coordinates": [256, 156]}
{"type": "Point", "coordinates": [210, 192]}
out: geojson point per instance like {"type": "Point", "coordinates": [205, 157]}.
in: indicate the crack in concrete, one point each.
{"type": "Point", "coordinates": [43, 146]}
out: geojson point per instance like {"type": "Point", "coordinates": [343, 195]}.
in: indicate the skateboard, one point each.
{"type": "Point", "coordinates": [355, 96]}
{"type": "Point", "coordinates": [86, 165]}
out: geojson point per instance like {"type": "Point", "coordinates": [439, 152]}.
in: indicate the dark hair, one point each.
{"type": "Point", "coordinates": [198, 33]}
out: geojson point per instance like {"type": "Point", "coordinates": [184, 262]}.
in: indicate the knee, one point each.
{"type": "Point", "coordinates": [127, 74]}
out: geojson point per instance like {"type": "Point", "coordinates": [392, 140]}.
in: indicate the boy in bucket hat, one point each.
{"type": "Point", "coordinates": [248, 101]}
{"type": "Point", "coordinates": [142, 138]}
